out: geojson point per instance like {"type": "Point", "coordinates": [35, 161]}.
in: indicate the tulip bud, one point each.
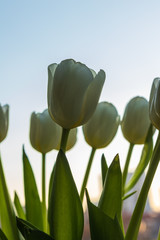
{"type": "Point", "coordinates": [153, 89]}
{"type": "Point", "coordinates": [136, 122]}
{"type": "Point", "coordinates": [72, 138]}
{"type": "Point", "coordinates": [44, 132]}
{"type": "Point", "coordinates": [154, 105]}
{"type": "Point", "coordinates": [4, 121]}
{"type": "Point", "coordinates": [102, 126]}
{"type": "Point", "coordinates": [73, 92]}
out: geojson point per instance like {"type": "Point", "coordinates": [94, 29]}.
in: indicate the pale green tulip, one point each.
{"type": "Point", "coordinates": [73, 92]}
{"type": "Point", "coordinates": [44, 132]}
{"type": "Point", "coordinates": [4, 121]}
{"type": "Point", "coordinates": [102, 126]}
{"type": "Point", "coordinates": [153, 89]}
{"type": "Point", "coordinates": [154, 103]}
{"type": "Point", "coordinates": [136, 122]}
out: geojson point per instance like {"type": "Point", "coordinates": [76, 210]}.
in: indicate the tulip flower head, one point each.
{"type": "Point", "coordinates": [4, 121]}
{"type": "Point", "coordinates": [102, 126]}
{"type": "Point", "coordinates": [73, 92]}
{"type": "Point", "coordinates": [136, 122]}
{"type": "Point", "coordinates": [154, 103]}
{"type": "Point", "coordinates": [45, 134]}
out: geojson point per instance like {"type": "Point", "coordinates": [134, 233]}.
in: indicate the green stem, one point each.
{"type": "Point", "coordinates": [124, 176]}
{"type": "Point", "coordinates": [135, 221]}
{"type": "Point", "coordinates": [87, 173]}
{"type": "Point", "coordinates": [125, 171]}
{"type": "Point", "coordinates": [44, 210]}
{"type": "Point", "coordinates": [65, 133]}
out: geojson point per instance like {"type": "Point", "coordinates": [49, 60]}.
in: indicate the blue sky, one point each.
{"type": "Point", "coordinates": [120, 37]}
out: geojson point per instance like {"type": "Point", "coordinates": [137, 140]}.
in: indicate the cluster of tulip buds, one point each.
{"type": "Point", "coordinates": [73, 100]}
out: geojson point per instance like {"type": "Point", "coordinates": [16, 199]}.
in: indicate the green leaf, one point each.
{"type": "Point", "coordinates": [65, 209]}
{"type": "Point", "coordinates": [23, 224]}
{"type": "Point", "coordinates": [38, 235]}
{"type": "Point", "coordinates": [2, 235]}
{"type": "Point", "coordinates": [102, 227]}
{"type": "Point", "coordinates": [51, 183]}
{"type": "Point", "coordinates": [128, 195]}
{"type": "Point", "coordinates": [111, 198]}
{"type": "Point", "coordinates": [104, 168]}
{"type": "Point", "coordinates": [7, 215]}
{"type": "Point", "coordinates": [144, 160]}
{"type": "Point", "coordinates": [32, 200]}
{"type": "Point", "coordinates": [18, 206]}
{"type": "Point", "coordinates": [30, 232]}
{"type": "Point", "coordinates": [158, 238]}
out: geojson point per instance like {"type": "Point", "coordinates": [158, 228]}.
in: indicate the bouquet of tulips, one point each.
{"type": "Point", "coordinates": [73, 95]}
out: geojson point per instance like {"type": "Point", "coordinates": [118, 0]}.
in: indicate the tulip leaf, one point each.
{"type": "Point", "coordinates": [104, 168]}
{"type": "Point", "coordinates": [51, 183]}
{"type": "Point", "coordinates": [19, 208]}
{"type": "Point", "coordinates": [65, 214]}
{"type": "Point", "coordinates": [7, 215]}
{"type": "Point", "coordinates": [111, 198]}
{"type": "Point", "coordinates": [128, 195]}
{"type": "Point", "coordinates": [38, 235]}
{"type": "Point", "coordinates": [30, 232]}
{"type": "Point", "coordinates": [23, 224]}
{"type": "Point", "coordinates": [102, 226]}
{"type": "Point", "coordinates": [32, 199]}
{"type": "Point", "coordinates": [2, 235]}
{"type": "Point", "coordinates": [144, 160]}
{"type": "Point", "coordinates": [158, 238]}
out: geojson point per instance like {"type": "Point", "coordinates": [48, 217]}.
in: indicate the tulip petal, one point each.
{"type": "Point", "coordinates": [153, 89]}
{"type": "Point", "coordinates": [33, 130]}
{"type": "Point", "coordinates": [93, 72]}
{"type": "Point", "coordinates": [102, 126]}
{"type": "Point", "coordinates": [49, 132]}
{"type": "Point", "coordinates": [136, 122]}
{"type": "Point", "coordinates": [91, 98]}
{"type": "Point", "coordinates": [51, 71]}
{"type": "Point", "coordinates": [45, 134]}
{"type": "Point", "coordinates": [4, 121]}
{"type": "Point", "coordinates": [157, 100]}
{"type": "Point", "coordinates": [153, 116]}
{"type": "Point", "coordinates": [2, 124]}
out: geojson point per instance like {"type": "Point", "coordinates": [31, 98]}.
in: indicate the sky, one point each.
{"type": "Point", "coordinates": [120, 37]}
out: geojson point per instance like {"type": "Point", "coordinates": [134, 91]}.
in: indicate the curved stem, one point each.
{"type": "Point", "coordinates": [65, 133]}
{"type": "Point", "coordinates": [87, 173]}
{"type": "Point", "coordinates": [125, 171]}
{"type": "Point", "coordinates": [44, 210]}
{"type": "Point", "coordinates": [135, 221]}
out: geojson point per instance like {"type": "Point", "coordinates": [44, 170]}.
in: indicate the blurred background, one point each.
{"type": "Point", "coordinates": [120, 37]}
